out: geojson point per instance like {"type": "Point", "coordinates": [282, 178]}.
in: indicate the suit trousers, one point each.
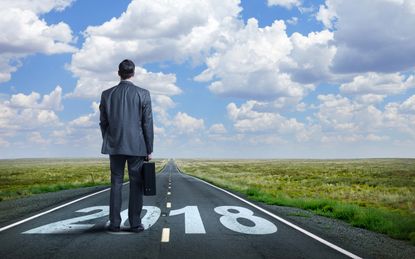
{"type": "Point", "coordinates": [135, 204]}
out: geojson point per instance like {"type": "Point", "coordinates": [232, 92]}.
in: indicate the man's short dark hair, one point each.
{"type": "Point", "coordinates": [126, 69]}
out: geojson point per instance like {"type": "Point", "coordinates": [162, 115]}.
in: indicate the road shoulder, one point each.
{"type": "Point", "coordinates": [361, 241]}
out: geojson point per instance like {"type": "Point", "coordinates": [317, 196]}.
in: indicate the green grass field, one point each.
{"type": "Point", "coordinates": [376, 194]}
{"type": "Point", "coordinates": [23, 177]}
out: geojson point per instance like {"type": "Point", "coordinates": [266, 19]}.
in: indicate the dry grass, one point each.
{"type": "Point", "coordinates": [378, 194]}
{"type": "Point", "coordinates": [23, 177]}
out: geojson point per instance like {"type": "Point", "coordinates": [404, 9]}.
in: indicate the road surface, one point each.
{"type": "Point", "coordinates": [187, 219]}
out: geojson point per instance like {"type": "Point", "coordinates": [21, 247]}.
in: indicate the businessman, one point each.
{"type": "Point", "coordinates": [126, 123]}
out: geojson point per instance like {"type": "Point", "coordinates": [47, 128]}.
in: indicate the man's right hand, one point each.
{"type": "Point", "coordinates": [148, 157]}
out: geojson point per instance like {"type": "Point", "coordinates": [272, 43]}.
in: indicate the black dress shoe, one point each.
{"type": "Point", "coordinates": [113, 229]}
{"type": "Point", "coordinates": [137, 229]}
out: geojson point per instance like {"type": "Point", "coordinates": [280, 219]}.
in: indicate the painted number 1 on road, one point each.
{"type": "Point", "coordinates": [232, 217]}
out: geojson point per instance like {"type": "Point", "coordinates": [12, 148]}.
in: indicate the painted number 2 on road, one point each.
{"type": "Point", "coordinates": [235, 218]}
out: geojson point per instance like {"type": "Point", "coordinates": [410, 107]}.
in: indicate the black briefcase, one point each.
{"type": "Point", "coordinates": [149, 175]}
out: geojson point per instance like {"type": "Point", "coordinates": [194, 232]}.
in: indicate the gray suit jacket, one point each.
{"type": "Point", "coordinates": [126, 120]}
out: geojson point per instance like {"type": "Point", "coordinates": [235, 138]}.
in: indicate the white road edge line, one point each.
{"type": "Point", "coordinates": [327, 243]}
{"type": "Point", "coordinates": [53, 209]}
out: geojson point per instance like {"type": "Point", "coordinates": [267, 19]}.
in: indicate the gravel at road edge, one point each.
{"type": "Point", "coordinates": [362, 242]}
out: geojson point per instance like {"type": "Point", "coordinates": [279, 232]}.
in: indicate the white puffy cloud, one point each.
{"type": "Point", "coordinates": [187, 124]}
{"type": "Point", "coordinates": [326, 14]}
{"type": "Point", "coordinates": [22, 100]}
{"type": "Point", "coordinates": [22, 33]}
{"type": "Point", "coordinates": [162, 102]}
{"type": "Point", "coordinates": [23, 112]}
{"type": "Point", "coordinates": [292, 20]}
{"type": "Point", "coordinates": [371, 36]}
{"type": "Point", "coordinates": [36, 138]}
{"type": "Point", "coordinates": [401, 119]}
{"type": "Point", "coordinates": [38, 6]}
{"type": "Point", "coordinates": [370, 98]}
{"type": "Point", "coordinates": [408, 105]}
{"type": "Point", "coordinates": [175, 21]}
{"type": "Point", "coordinates": [90, 120]}
{"type": "Point", "coordinates": [91, 84]}
{"type": "Point", "coordinates": [52, 101]}
{"type": "Point", "coordinates": [247, 119]}
{"type": "Point", "coordinates": [161, 105]}
{"type": "Point", "coordinates": [352, 138]}
{"type": "Point", "coordinates": [6, 114]}
{"type": "Point", "coordinates": [154, 31]}
{"type": "Point", "coordinates": [265, 64]}
{"type": "Point", "coordinates": [341, 114]}
{"type": "Point", "coordinates": [159, 131]}
{"type": "Point", "coordinates": [8, 64]}
{"type": "Point", "coordinates": [263, 85]}
{"type": "Point", "coordinates": [380, 84]}
{"type": "Point", "coordinates": [284, 3]}
{"type": "Point", "coordinates": [343, 119]}
{"type": "Point", "coordinates": [251, 49]}
{"type": "Point", "coordinates": [151, 31]}
{"type": "Point", "coordinates": [81, 133]}
{"type": "Point", "coordinates": [179, 23]}
{"type": "Point", "coordinates": [60, 136]}
{"type": "Point", "coordinates": [336, 121]}
{"type": "Point", "coordinates": [27, 119]}
{"type": "Point", "coordinates": [44, 117]}
{"type": "Point", "coordinates": [311, 57]}
{"type": "Point", "coordinates": [249, 66]}
{"type": "Point", "coordinates": [217, 128]}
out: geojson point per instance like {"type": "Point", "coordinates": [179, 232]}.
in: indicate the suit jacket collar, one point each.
{"type": "Point", "coordinates": [126, 82]}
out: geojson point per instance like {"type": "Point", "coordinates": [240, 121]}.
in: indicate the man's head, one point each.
{"type": "Point", "coordinates": [126, 69]}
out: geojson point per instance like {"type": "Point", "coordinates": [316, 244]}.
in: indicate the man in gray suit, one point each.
{"type": "Point", "coordinates": [126, 123]}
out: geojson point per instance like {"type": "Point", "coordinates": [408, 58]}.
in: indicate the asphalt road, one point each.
{"type": "Point", "coordinates": [187, 219]}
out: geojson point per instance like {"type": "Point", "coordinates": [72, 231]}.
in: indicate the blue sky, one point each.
{"type": "Point", "coordinates": [229, 79]}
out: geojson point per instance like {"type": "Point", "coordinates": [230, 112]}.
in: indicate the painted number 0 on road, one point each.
{"type": "Point", "coordinates": [192, 219]}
